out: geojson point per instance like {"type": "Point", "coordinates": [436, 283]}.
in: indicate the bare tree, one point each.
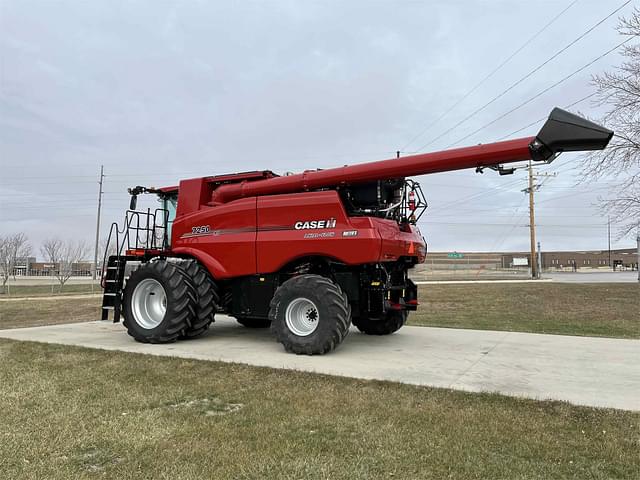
{"type": "Point", "coordinates": [12, 247]}
{"type": "Point", "coordinates": [64, 254]}
{"type": "Point", "coordinates": [619, 92]}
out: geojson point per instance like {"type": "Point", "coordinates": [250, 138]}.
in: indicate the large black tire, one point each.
{"type": "Point", "coordinates": [181, 302]}
{"type": "Point", "coordinates": [207, 298]}
{"type": "Point", "coordinates": [333, 314]}
{"type": "Point", "coordinates": [393, 321]}
{"type": "Point", "coordinates": [254, 322]}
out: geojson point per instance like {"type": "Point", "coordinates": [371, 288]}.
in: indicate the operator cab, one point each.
{"type": "Point", "coordinates": [169, 203]}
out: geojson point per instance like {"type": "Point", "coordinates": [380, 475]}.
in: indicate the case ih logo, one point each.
{"type": "Point", "coordinates": [315, 224]}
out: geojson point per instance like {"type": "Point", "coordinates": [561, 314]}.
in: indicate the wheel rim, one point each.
{"type": "Point", "coordinates": [149, 303]}
{"type": "Point", "coordinates": [302, 317]}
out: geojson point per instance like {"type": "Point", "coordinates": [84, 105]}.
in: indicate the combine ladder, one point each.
{"type": "Point", "coordinates": [113, 282]}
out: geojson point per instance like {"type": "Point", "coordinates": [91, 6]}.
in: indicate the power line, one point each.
{"type": "Point", "coordinates": [506, 188]}
{"type": "Point", "coordinates": [522, 79]}
{"type": "Point", "coordinates": [40, 194]}
{"type": "Point", "coordinates": [539, 94]}
{"type": "Point", "coordinates": [489, 213]}
{"type": "Point", "coordinates": [545, 117]}
{"type": "Point", "coordinates": [488, 76]}
{"type": "Point", "coordinates": [503, 224]}
{"type": "Point", "coordinates": [86, 182]}
{"type": "Point", "coordinates": [563, 196]}
{"type": "Point", "coordinates": [489, 191]}
{"type": "Point", "coordinates": [503, 236]}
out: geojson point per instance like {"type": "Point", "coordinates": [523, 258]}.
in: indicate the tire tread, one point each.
{"type": "Point", "coordinates": [336, 302]}
{"type": "Point", "coordinates": [207, 295]}
{"type": "Point", "coordinates": [180, 311]}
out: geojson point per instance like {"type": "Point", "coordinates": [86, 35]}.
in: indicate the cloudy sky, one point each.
{"type": "Point", "coordinates": [161, 90]}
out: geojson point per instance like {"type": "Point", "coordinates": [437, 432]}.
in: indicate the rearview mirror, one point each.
{"type": "Point", "coordinates": [134, 202]}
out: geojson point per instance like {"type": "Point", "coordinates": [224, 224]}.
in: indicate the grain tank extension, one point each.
{"type": "Point", "coordinates": [306, 254]}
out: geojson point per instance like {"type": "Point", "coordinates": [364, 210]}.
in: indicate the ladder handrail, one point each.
{"type": "Point", "coordinates": [123, 236]}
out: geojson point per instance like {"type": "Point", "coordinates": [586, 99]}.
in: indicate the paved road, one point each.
{"type": "Point", "coordinates": [582, 370]}
{"type": "Point", "coordinates": [462, 282]}
{"type": "Point", "coordinates": [593, 277]}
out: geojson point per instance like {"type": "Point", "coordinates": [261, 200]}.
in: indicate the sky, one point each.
{"type": "Point", "coordinates": [161, 90]}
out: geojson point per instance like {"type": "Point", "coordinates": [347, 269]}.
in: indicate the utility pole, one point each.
{"type": "Point", "coordinates": [536, 260]}
{"type": "Point", "coordinates": [609, 235]}
{"type": "Point", "coordinates": [95, 254]}
{"type": "Point", "coordinates": [532, 224]}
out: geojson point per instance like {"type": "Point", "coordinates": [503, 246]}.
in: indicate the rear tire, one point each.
{"type": "Point", "coordinates": [207, 298]}
{"type": "Point", "coordinates": [393, 321]}
{"type": "Point", "coordinates": [159, 302]}
{"type": "Point", "coordinates": [310, 315]}
{"type": "Point", "coordinates": [254, 322]}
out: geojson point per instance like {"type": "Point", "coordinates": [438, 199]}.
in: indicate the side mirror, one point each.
{"type": "Point", "coordinates": [134, 202]}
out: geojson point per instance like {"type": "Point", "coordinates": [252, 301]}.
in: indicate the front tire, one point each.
{"type": "Point", "coordinates": [159, 302]}
{"type": "Point", "coordinates": [392, 322]}
{"type": "Point", "coordinates": [310, 315]}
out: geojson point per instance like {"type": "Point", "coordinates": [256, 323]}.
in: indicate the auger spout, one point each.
{"type": "Point", "coordinates": [563, 131]}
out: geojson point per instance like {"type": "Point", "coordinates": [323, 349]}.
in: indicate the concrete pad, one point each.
{"type": "Point", "coordinates": [52, 297]}
{"type": "Point", "coordinates": [599, 372]}
{"type": "Point", "coordinates": [458, 282]}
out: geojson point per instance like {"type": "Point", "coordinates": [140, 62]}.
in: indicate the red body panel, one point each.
{"type": "Point", "coordinates": [279, 242]}
{"type": "Point", "coordinates": [397, 243]}
{"type": "Point", "coordinates": [192, 194]}
{"type": "Point", "coordinates": [223, 238]}
{"type": "Point", "coordinates": [259, 235]}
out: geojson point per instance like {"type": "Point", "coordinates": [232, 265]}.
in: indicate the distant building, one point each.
{"type": "Point", "coordinates": [30, 267]}
{"type": "Point", "coordinates": [23, 264]}
{"type": "Point", "coordinates": [624, 259]}
{"type": "Point", "coordinates": [463, 261]}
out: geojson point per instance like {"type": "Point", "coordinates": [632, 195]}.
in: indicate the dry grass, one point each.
{"type": "Point", "coordinates": [33, 313]}
{"type": "Point", "coordinates": [607, 310]}
{"type": "Point", "coordinates": [69, 412]}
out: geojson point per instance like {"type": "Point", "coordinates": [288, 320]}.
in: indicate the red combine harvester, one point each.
{"type": "Point", "coordinates": [308, 254]}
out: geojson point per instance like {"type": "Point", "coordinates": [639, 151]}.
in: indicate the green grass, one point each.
{"type": "Point", "coordinates": [49, 290]}
{"type": "Point", "coordinates": [607, 310]}
{"type": "Point", "coordinates": [69, 412]}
